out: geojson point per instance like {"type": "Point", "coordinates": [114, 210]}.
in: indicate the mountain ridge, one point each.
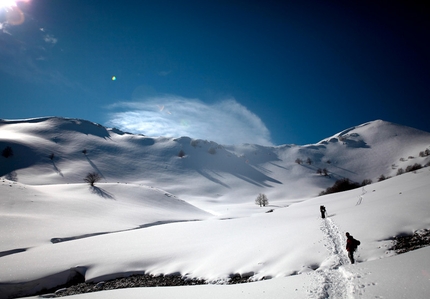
{"type": "Point", "coordinates": [55, 150]}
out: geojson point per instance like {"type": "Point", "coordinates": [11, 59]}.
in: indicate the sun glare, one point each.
{"type": "Point", "coordinates": [7, 3]}
{"type": "Point", "coordinates": [14, 15]}
{"type": "Point", "coordinates": [11, 3]}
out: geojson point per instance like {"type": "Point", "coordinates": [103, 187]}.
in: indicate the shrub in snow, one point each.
{"type": "Point", "coordinates": [181, 154]}
{"type": "Point", "coordinates": [262, 200]}
{"type": "Point", "coordinates": [92, 178]}
{"type": "Point", "coordinates": [340, 186]}
{"type": "Point", "coordinates": [299, 161]}
{"type": "Point", "coordinates": [382, 178]}
{"type": "Point", "coordinates": [309, 161]}
{"type": "Point", "coordinates": [7, 152]}
{"type": "Point", "coordinates": [366, 182]}
{"type": "Point", "coordinates": [400, 171]}
{"type": "Point", "coordinates": [212, 151]}
{"type": "Point", "coordinates": [322, 171]}
{"type": "Point", "coordinates": [414, 167]}
{"type": "Point", "coordinates": [51, 156]}
{"type": "Point", "coordinates": [84, 151]}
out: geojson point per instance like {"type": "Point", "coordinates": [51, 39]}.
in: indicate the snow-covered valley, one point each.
{"type": "Point", "coordinates": [185, 206]}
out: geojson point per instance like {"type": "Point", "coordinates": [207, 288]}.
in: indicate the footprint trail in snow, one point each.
{"type": "Point", "coordinates": [331, 280]}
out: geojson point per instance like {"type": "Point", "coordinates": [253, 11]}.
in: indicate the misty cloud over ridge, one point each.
{"type": "Point", "coordinates": [225, 122]}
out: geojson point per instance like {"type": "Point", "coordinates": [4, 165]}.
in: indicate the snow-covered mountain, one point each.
{"type": "Point", "coordinates": [50, 151]}
{"type": "Point", "coordinates": [178, 205]}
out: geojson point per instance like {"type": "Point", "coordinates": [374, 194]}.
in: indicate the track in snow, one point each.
{"type": "Point", "coordinates": [360, 198]}
{"type": "Point", "coordinates": [330, 280]}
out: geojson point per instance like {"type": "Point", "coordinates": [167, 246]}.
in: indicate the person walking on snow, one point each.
{"type": "Point", "coordinates": [322, 209]}
{"type": "Point", "coordinates": [351, 246]}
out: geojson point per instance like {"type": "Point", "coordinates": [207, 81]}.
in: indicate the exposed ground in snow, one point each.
{"type": "Point", "coordinates": [157, 213]}
{"type": "Point", "coordinates": [405, 243]}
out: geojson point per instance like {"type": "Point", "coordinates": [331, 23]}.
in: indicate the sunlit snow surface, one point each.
{"type": "Point", "coordinates": [155, 212]}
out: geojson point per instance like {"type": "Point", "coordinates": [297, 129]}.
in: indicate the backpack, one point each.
{"type": "Point", "coordinates": [356, 243]}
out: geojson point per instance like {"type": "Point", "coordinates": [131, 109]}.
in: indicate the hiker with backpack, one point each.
{"type": "Point", "coordinates": [322, 210]}
{"type": "Point", "coordinates": [351, 246]}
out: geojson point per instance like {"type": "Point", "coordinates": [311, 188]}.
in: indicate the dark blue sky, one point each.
{"type": "Point", "coordinates": [277, 72]}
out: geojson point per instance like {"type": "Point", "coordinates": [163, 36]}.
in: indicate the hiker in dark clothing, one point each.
{"type": "Point", "coordinates": [322, 209]}
{"type": "Point", "coordinates": [351, 246]}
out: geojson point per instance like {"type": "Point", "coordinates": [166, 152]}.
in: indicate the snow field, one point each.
{"type": "Point", "coordinates": [156, 213]}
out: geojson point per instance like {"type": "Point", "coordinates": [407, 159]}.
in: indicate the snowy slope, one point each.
{"type": "Point", "coordinates": [404, 276]}
{"type": "Point", "coordinates": [155, 212]}
{"type": "Point", "coordinates": [289, 241]}
{"type": "Point", "coordinates": [224, 174]}
{"type": "Point", "coordinates": [74, 210]}
{"type": "Point", "coordinates": [376, 148]}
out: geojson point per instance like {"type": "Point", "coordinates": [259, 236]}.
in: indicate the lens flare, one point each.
{"type": "Point", "coordinates": [7, 3]}
{"type": "Point", "coordinates": [14, 15]}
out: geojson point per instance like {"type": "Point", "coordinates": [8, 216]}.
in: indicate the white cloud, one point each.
{"type": "Point", "coordinates": [225, 122]}
{"type": "Point", "coordinates": [164, 73]}
{"type": "Point", "coordinates": [50, 39]}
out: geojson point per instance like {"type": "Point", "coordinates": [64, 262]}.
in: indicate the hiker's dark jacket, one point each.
{"type": "Point", "coordinates": [350, 244]}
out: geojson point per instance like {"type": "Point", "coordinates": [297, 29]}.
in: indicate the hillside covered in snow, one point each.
{"type": "Point", "coordinates": [186, 206]}
{"type": "Point", "coordinates": [50, 151]}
